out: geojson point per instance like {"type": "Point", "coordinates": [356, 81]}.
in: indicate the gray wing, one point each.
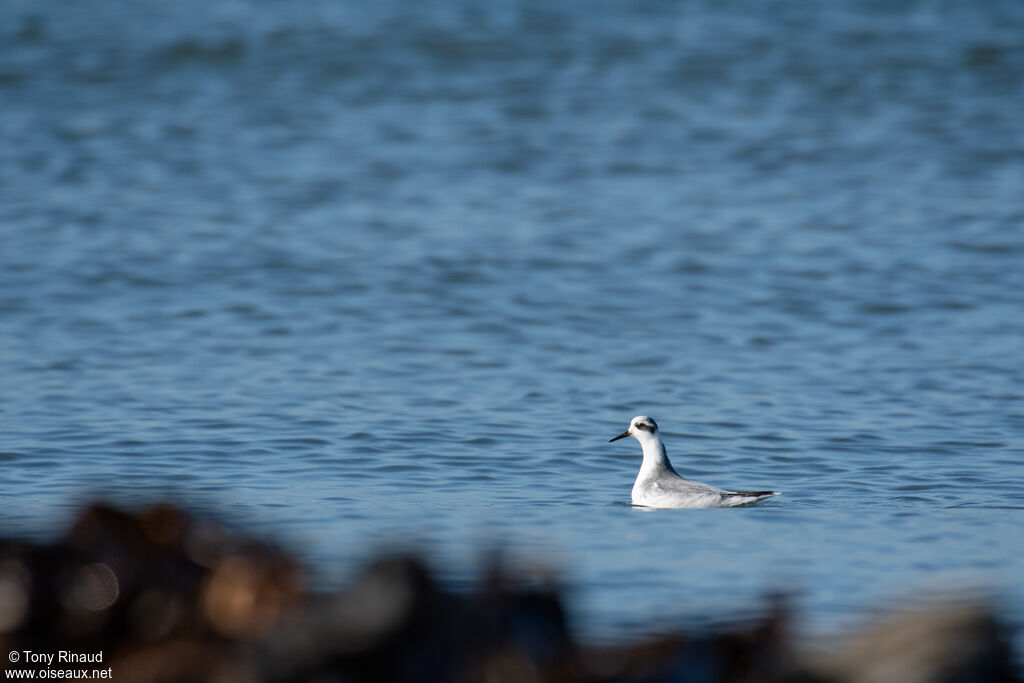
{"type": "Point", "coordinates": [682, 485]}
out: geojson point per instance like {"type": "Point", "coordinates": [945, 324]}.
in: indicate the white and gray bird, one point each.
{"type": "Point", "coordinates": [658, 485]}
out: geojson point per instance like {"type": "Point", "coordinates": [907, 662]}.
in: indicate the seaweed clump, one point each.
{"type": "Point", "coordinates": [164, 597]}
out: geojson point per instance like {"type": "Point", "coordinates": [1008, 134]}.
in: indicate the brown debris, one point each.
{"type": "Point", "coordinates": [171, 599]}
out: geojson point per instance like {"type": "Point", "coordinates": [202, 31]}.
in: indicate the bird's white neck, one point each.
{"type": "Point", "coordinates": [655, 457]}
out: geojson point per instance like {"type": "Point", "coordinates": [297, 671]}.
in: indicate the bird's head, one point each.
{"type": "Point", "coordinates": [641, 428]}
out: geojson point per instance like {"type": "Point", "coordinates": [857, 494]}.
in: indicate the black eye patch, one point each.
{"type": "Point", "coordinates": [646, 426]}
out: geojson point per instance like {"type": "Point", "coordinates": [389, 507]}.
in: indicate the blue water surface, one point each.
{"type": "Point", "coordinates": [360, 278]}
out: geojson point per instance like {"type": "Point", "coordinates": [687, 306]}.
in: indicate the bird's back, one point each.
{"type": "Point", "coordinates": [669, 490]}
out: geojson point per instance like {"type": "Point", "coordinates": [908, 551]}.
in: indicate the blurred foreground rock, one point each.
{"type": "Point", "coordinates": [945, 643]}
{"type": "Point", "coordinates": [167, 598]}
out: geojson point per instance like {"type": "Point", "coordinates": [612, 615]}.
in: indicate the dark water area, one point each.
{"type": "Point", "coordinates": [360, 277]}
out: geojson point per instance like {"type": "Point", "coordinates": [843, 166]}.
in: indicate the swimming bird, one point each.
{"type": "Point", "coordinates": [658, 485]}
